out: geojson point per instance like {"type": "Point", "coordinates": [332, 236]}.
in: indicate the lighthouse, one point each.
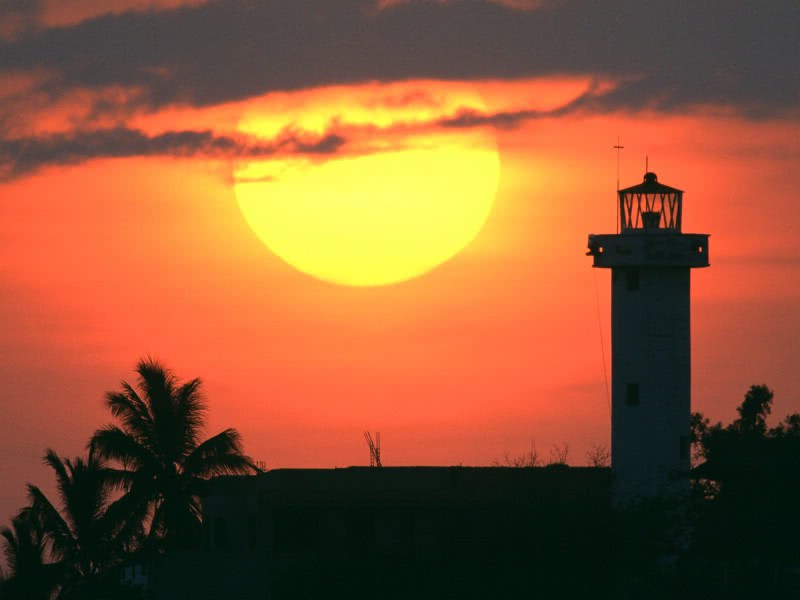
{"type": "Point", "coordinates": [650, 260]}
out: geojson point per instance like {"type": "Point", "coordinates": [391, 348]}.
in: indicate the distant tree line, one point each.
{"type": "Point", "coordinates": [597, 456]}
{"type": "Point", "coordinates": [134, 495]}
{"type": "Point", "coordinates": [746, 505]}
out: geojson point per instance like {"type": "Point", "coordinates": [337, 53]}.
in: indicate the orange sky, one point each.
{"type": "Point", "coordinates": [106, 259]}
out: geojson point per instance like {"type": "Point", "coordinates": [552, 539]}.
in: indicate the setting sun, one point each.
{"type": "Point", "coordinates": [377, 218]}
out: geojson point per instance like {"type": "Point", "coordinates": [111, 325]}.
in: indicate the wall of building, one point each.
{"type": "Point", "coordinates": [651, 378]}
{"type": "Point", "coordinates": [397, 532]}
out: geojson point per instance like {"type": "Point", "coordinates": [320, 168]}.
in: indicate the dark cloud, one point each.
{"type": "Point", "coordinates": [18, 18]}
{"type": "Point", "coordinates": [23, 156]}
{"type": "Point", "coordinates": [670, 56]}
{"type": "Point", "coordinates": [593, 97]}
{"type": "Point", "coordinates": [674, 54]}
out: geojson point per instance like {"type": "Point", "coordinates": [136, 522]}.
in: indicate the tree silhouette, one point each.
{"type": "Point", "coordinates": [24, 547]}
{"type": "Point", "coordinates": [526, 459]}
{"type": "Point", "coordinates": [748, 489]}
{"type": "Point", "coordinates": [558, 454]}
{"type": "Point", "coordinates": [598, 456]}
{"type": "Point", "coordinates": [161, 463]}
{"type": "Point", "coordinates": [754, 410]}
{"type": "Point", "coordinates": [88, 535]}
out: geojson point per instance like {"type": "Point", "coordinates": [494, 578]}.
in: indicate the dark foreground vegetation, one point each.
{"type": "Point", "coordinates": [737, 535]}
{"type": "Point", "coordinates": [135, 497]}
{"type": "Point", "coordinates": [746, 506]}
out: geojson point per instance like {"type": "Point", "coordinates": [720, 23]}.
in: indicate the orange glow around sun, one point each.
{"type": "Point", "coordinates": [385, 213]}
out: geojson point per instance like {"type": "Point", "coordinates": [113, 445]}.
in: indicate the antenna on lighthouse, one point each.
{"type": "Point", "coordinates": [618, 148]}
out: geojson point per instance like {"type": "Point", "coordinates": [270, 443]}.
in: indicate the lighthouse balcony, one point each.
{"type": "Point", "coordinates": [649, 248]}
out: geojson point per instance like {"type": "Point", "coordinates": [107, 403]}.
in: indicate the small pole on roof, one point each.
{"type": "Point", "coordinates": [618, 147]}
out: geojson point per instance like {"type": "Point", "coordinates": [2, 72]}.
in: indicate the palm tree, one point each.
{"type": "Point", "coordinates": [31, 577]}
{"type": "Point", "coordinates": [162, 462]}
{"type": "Point", "coordinates": [89, 535]}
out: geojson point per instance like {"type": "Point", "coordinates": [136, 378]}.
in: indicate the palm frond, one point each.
{"type": "Point", "coordinates": [12, 544]}
{"type": "Point", "coordinates": [113, 443]}
{"type": "Point", "coordinates": [85, 503]}
{"type": "Point", "coordinates": [24, 547]}
{"type": "Point", "coordinates": [119, 479]}
{"type": "Point", "coordinates": [129, 408]}
{"type": "Point", "coordinates": [221, 454]}
{"type": "Point", "coordinates": [61, 540]}
{"type": "Point", "coordinates": [62, 470]}
{"type": "Point", "coordinates": [191, 413]}
{"type": "Point", "coordinates": [77, 488]}
{"type": "Point", "coordinates": [157, 382]}
{"type": "Point", "coordinates": [124, 523]}
{"type": "Point", "coordinates": [158, 526]}
{"type": "Point", "coordinates": [158, 387]}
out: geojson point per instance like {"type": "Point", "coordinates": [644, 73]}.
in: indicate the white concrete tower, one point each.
{"type": "Point", "coordinates": [650, 259]}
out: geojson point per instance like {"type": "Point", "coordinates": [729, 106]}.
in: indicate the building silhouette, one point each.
{"type": "Point", "coordinates": [650, 260]}
{"type": "Point", "coordinates": [396, 532]}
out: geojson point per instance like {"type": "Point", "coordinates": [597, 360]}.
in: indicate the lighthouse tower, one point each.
{"type": "Point", "coordinates": [650, 260]}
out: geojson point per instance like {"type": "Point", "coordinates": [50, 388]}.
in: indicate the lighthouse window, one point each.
{"type": "Point", "coordinates": [633, 280]}
{"type": "Point", "coordinates": [632, 394]}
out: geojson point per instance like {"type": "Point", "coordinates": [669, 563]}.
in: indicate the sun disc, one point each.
{"type": "Point", "coordinates": [377, 218]}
